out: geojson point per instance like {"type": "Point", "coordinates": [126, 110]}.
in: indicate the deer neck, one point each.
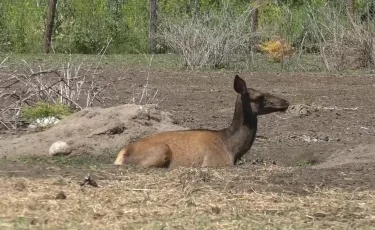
{"type": "Point", "coordinates": [240, 135]}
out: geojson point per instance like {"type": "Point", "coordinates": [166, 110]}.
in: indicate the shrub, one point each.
{"type": "Point", "coordinates": [213, 39]}
{"type": "Point", "coordinates": [343, 43]}
{"type": "Point", "coordinates": [44, 109]}
{"type": "Point", "coordinates": [23, 23]}
{"type": "Point", "coordinates": [277, 50]}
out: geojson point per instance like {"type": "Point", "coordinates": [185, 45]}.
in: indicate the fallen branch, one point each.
{"type": "Point", "coordinates": [338, 108]}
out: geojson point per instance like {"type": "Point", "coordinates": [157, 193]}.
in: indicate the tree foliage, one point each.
{"type": "Point", "coordinates": [85, 26]}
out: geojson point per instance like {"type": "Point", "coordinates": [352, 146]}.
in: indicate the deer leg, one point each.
{"type": "Point", "coordinates": [120, 157]}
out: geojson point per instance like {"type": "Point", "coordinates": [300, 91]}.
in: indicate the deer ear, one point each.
{"type": "Point", "coordinates": [240, 85]}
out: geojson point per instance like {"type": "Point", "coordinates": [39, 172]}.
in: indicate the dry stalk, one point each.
{"type": "Point", "coordinates": [66, 85]}
{"type": "Point", "coordinates": [148, 199]}
{"type": "Point", "coordinates": [342, 45]}
{"type": "Point", "coordinates": [212, 40]}
{"type": "Point", "coordinates": [2, 62]}
{"type": "Point", "coordinates": [145, 97]}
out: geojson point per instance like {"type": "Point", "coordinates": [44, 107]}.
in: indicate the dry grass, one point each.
{"type": "Point", "coordinates": [177, 199]}
{"type": "Point", "coordinates": [210, 40]}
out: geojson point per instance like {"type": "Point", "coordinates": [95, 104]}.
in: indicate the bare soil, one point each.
{"type": "Point", "coordinates": [330, 121]}
{"type": "Point", "coordinates": [324, 144]}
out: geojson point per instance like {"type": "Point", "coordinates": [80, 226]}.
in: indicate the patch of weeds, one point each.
{"type": "Point", "coordinates": [21, 222]}
{"type": "Point", "coordinates": [3, 160]}
{"type": "Point", "coordinates": [304, 164]}
{"type": "Point", "coordinates": [44, 109]}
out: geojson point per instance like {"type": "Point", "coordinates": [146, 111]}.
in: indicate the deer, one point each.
{"type": "Point", "coordinates": [205, 147]}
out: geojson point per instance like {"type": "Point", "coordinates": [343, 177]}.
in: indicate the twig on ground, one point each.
{"type": "Point", "coordinates": [88, 181]}
{"type": "Point", "coordinates": [66, 85]}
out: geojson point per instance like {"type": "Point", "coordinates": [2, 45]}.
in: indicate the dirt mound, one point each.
{"type": "Point", "coordinates": [363, 153]}
{"type": "Point", "coordinates": [93, 130]}
{"type": "Point", "coordinates": [301, 110]}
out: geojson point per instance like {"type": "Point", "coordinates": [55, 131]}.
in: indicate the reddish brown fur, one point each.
{"type": "Point", "coordinates": [206, 148]}
{"type": "Point", "coordinates": [161, 146]}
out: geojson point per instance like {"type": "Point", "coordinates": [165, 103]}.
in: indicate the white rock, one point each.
{"type": "Point", "coordinates": [59, 148]}
{"type": "Point", "coordinates": [32, 128]}
{"type": "Point", "coordinates": [46, 121]}
{"type": "Point", "coordinates": [41, 123]}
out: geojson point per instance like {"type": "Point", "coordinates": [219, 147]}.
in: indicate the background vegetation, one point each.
{"type": "Point", "coordinates": [86, 26]}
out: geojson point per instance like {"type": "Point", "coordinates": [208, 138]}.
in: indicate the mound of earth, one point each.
{"type": "Point", "coordinates": [362, 153]}
{"type": "Point", "coordinates": [94, 130]}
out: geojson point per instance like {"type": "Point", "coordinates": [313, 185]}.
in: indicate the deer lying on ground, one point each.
{"type": "Point", "coordinates": [203, 147]}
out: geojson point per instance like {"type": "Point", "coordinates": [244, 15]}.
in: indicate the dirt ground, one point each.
{"type": "Point", "coordinates": [325, 142]}
{"type": "Point", "coordinates": [330, 121]}
{"type": "Point", "coordinates": [92, 131]}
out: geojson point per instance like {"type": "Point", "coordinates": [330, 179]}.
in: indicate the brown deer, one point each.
{"type": "Point", "coordinates": [203, 147]}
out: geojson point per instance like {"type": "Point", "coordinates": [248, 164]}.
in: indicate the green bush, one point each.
{"type": "Point", "coordinates": [44, 109]}
{"type": "Point", "coordinates": [85, 26]}
{"type": "Point", "coordinates": [23, 23]}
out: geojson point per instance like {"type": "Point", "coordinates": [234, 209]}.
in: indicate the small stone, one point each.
{"type": "Point", "coordinates": [273, 162]}
{"type": "Point", "coordinates": [304, 112]}
{"type": "Point", "coordinates": [32, 128]}
{"type": "Point", "coordinates": [320, 214]}
{"type": "Point", "coordinates": [60, 196]}
{"type": "Point", "coordinates": [215, 210]}
{"type": "Point", "coordinates": [20, 186]}
{"type": "Point", "coordinates": [34, 221]}
{"type": "Point", "coordinates": [59, 148]}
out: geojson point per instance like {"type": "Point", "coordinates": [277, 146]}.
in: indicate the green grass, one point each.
{"type": "Point", "coordinates": [96, 161]}
{"type": "Point", "coordinates": [304, 163]}
{"type": "Point", "coordinates": [259, 63]}
{"type": "Point", "coordinates": [21, 222]}
{"type": "Point", "coordinates": [54, 61]}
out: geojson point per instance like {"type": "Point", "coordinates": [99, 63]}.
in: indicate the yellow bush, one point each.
{"type": "Point", "coordinates": [277, 50]}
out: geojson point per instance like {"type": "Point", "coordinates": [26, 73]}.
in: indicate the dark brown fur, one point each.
{"type": "Point", "coordinates": [206, 148]}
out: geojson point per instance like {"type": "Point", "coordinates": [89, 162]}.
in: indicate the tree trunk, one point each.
{"type": "Point", "coordinates": [254, 20]}
{"type": "Point", "coordinates": [351, 8]}
{"type": "Point", "coordinates": [153, 25]}
{"type": "Point", "coordinates": [49, 25]}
